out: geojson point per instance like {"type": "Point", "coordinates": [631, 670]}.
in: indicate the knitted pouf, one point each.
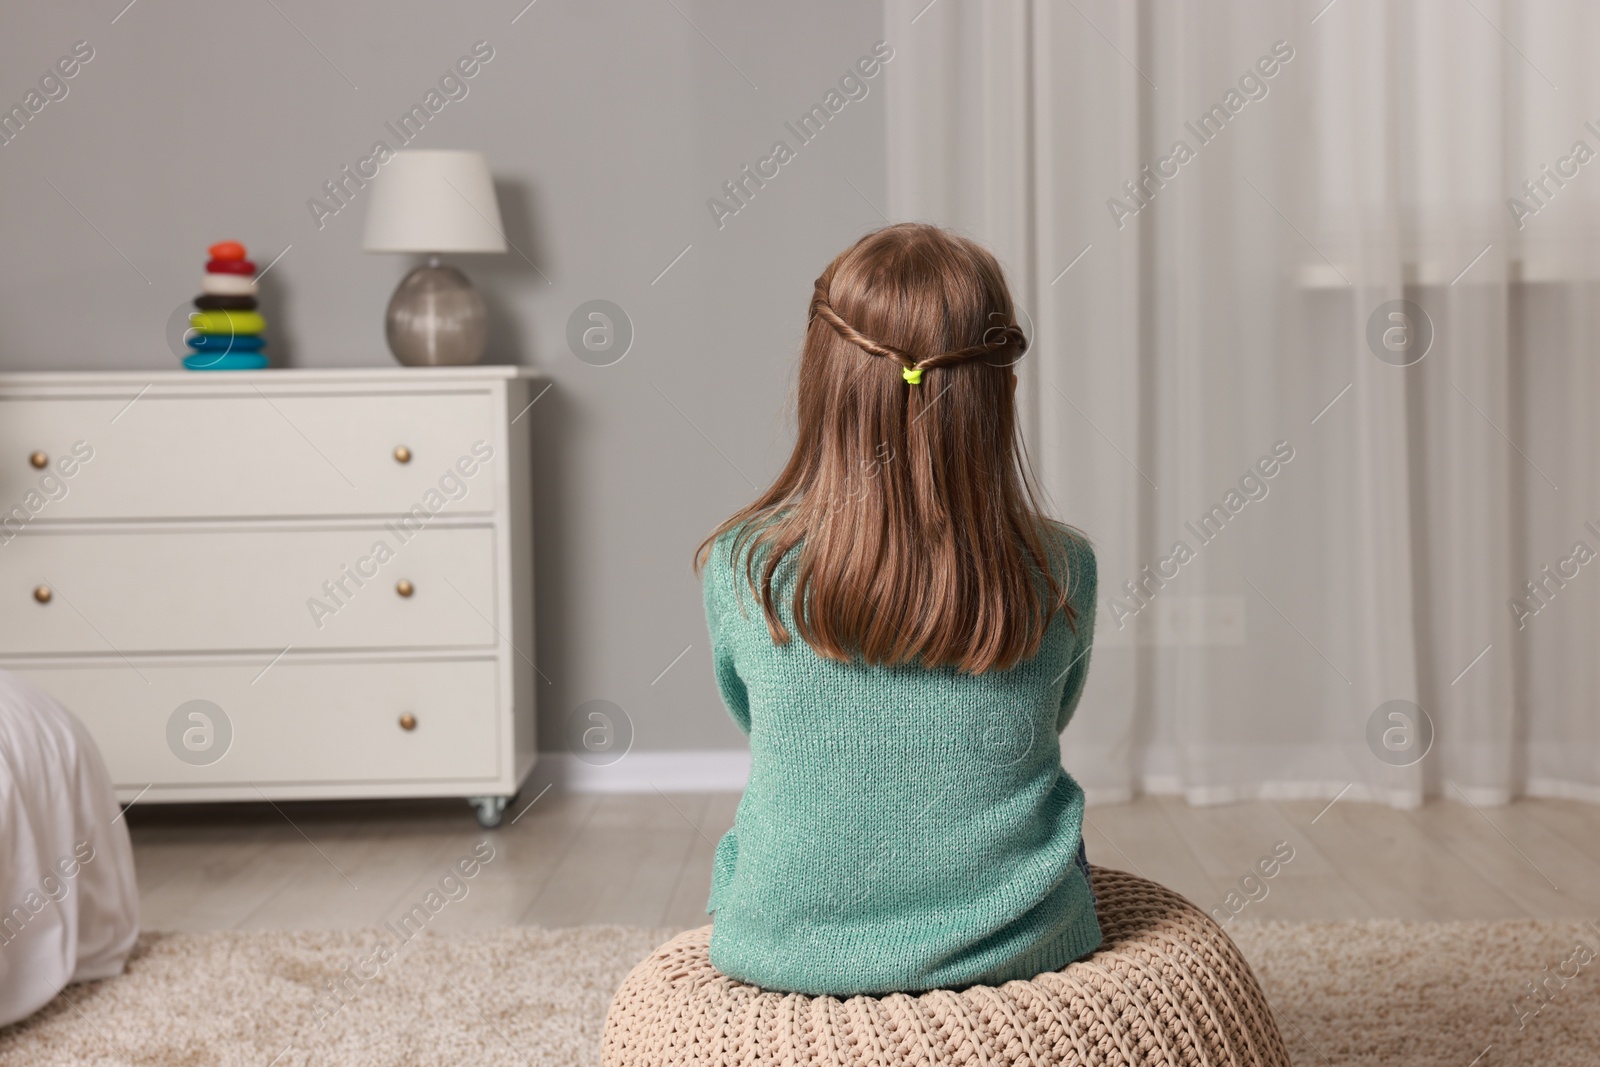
{"type": "Point", "coordinates": [1166, 987]}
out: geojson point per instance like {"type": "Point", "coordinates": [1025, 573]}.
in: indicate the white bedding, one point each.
{"type": "Point", "coordinates": [69, 906]}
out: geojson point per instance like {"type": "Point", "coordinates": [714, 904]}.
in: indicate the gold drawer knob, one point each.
{"type": "Point", "coordinates": [404, 588]}
{"type": "Point", "coordinates": [42, 594]}
{"type": "Point", "coordinates": [408, 721]}
{"type": "Point", "coordinates": [402, 454]}
{"type": "Point", "coordinates": [39, 460]}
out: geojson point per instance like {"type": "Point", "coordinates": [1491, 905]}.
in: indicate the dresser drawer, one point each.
{"type": "Point", "coordinates": [215, 589]}
{"type": "Point", "coordinates": [278, 454]}
{"type": "Point", "coordinates": [297, 723]}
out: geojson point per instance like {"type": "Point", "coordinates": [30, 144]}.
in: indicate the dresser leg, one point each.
{"type": "Point", "coordinates": [490, 810]}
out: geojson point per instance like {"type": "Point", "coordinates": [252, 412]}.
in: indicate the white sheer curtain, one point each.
{"type": "Point", "coordinates": [1239, 303]}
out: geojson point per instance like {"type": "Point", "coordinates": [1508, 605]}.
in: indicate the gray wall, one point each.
{"type": "Point", "coordinates": [608, 126]}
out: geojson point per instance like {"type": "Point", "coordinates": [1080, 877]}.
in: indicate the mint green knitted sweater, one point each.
{"type": "Point", "coordinates": [903, 828]}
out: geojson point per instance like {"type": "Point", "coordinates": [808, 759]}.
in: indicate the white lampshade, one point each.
{"type": "Point", "coordinates": [434, 201]}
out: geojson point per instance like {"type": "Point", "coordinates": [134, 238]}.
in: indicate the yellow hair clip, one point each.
{"type": "Point", "coordinates": [912, 375]}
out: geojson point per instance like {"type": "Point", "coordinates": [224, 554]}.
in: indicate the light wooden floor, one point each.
{"type": "Point", "coordinates": [571, 859]}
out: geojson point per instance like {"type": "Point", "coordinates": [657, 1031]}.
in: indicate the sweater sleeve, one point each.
{"type": "Point", "coordinates": [1083, 583]}
{"type": "Point", "coordinates": [734, 695]}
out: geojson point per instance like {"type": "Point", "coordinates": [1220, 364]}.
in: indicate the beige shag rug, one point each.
{"type": "Point", "coordinates": [1399, 994]}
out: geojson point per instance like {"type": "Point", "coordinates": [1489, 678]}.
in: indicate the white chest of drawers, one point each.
{"type": "Point", "coordinates": [278, 584]}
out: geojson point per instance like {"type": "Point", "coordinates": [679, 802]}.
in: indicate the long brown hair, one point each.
{"type": "Point", "coordinates": [908, 493]}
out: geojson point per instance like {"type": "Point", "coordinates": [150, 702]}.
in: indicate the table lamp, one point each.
{"type": "Point", "coordinates": [433, 202]}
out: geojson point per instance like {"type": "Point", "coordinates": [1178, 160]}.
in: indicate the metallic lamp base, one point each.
{"type": "Point", "coordinates": [436, 319]}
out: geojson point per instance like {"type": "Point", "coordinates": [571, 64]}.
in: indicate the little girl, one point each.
{"type": "Point", "coordinates": [907, 824]}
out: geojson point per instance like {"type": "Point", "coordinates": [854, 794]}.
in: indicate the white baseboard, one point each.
{"type": "Point", "coordinates": [719, 770]}
{"type": "Point", "coordinates": [1562, 789]}
{"type": "Point", "coordinates": [725, 770]}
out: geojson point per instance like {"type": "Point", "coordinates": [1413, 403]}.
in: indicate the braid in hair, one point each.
{"type": "Point", "coordinates": [995, 338]}
{"type": "Point", "coordinates": [820, 308]}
